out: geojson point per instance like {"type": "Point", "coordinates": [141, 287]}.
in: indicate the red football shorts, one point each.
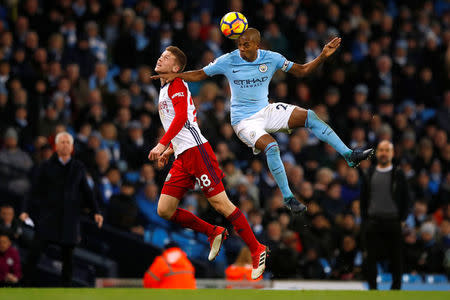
{"type": "Point", "coordinates": [195, 165]}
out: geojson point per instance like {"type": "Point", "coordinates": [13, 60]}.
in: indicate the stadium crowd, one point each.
{"type": "Point", "coordinates": [83, 66]}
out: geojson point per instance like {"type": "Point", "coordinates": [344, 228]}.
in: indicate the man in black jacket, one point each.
{"type": "Point", "coordinates": [385, 201]}
{"type": "Point", "coordinates": [59, 191]}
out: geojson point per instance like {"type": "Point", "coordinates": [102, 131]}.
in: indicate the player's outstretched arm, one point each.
{"type": "Point", "coordinates": [299, 70]}
{"type": "Point", "coordinates": [196, 75]}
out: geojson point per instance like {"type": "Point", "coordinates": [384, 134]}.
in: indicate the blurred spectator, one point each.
{"type": "Point", "coordinates": [310, 266]}
{"type": "Point", "coordinates": [350, 189]}
{"type": "Point", "coordinates": [432, 253]}
{"type": "Point", "coordinates": [319, 236]}
{"type": "Point", "coordinates": [171, 270]}
{"type": "Point", "coordinates": [412, 252]}
{"type": "Point", "coordinates": [444, 234]}
{"type": "Point", "coordinates": [147, 201]}
{"type": "Point", "coordinates": [10, 267]}
{"type": "Point", "coordinates": [349, 261]}
{"type": "Point", "coordinates": [418, 215]}
{"type": "Point", "coordinates": [332, 202]}
{"type": "Point", "coordinates": [110, 184]}
{"type": "Point", "coordinates": [283, 258]}
{"type": "Point", "coordinates": [241, 269]}
{"type": "Point", "coordinates": [134, 149]}
{"type": "Point", "coordinates": [15, 165]}
{"type": "Point", "coordinates": [9, 223]}
{"type": "Point", "coordinates": [123, 212]}
{"type": "Point", "coordinates": [80, 55]}
{"type": "Point", "coordinates": [96, 44]}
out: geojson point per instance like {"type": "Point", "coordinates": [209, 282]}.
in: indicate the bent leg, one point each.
{"type": "Point", "coordinates": [322, 131]}
{"type": "Point", "coordinates": [222, 204]}
{"type": "Point", "coordinates": [167, 209]}
{"type": "Point", "coordinates": [233, 214]}
{"type": "Point", "coordinates": [270, 147]}
{"type": "Point", "coordinates": [167, 205]}
{"type": "Point", "coordinates": [298, 118]}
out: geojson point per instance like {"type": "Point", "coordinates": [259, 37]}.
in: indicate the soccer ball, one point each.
{"type": "Point", "coordinates": [233, 25]}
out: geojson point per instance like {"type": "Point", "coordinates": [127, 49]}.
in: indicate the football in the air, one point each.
{"type": "Point", "coordinates": [233, 25]}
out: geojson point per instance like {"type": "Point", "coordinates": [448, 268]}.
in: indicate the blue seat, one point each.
{"type": "Point", "coordinates": [411, 278]}
{"type": "Point", "coordinates": [384, 277]}
{"type": "Point", "coordinates": [325, 265]}
{"type": "Point", "coordinates": [158, 237]}
{"type": "Point", "coordinates": [188, 242]}
{"type": "Point", "coordinates": [438, 278]}
{"type": "Point", "coordinates": [181, 240]}
{"type": "Point", "coordinates": [132, 177]}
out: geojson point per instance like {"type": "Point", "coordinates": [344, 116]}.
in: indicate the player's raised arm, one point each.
{"type": "Point", "coordinates": [196, 75]}
{"type": "Point", "coordinates": [299, 70]}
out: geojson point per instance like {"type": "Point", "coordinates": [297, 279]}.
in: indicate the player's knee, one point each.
{"type": "Point", "coordinates": [165, 212]}
{"type": "Point", "coordinates": [311, 118]}
{"type": "Point", "coordinates": [219, 203]}
{"type": "Point", "coordinates": [272, 149]}
{"type": "Point", "coordinates": [216, 203]}
{"type": "Point", "coordinates": [221, 209]}
{"type": "Point", "coordinates": [224, 208]}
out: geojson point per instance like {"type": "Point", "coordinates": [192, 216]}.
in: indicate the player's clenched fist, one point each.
{"type": "Point", "coordinates": [156, 152]}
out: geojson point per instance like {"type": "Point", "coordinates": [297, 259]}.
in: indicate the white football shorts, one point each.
{"type": "Point", "coordinates": [272, 118]}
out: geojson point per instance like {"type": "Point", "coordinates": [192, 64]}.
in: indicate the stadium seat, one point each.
{"type": "Point", "coordinates": [159, 237]}
{"type": "Point", "coordinates": [384, 277]}
{"type": "Point", "coordinates": [132, 177]}
{"type": "Point", "coordinates": [438, 278]}
{"type": "Point", "coordinates": [326, 266]}
{"type": "Point", "coordinates": [411, 278]}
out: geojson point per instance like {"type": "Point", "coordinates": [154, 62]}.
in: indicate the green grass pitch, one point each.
{"type": "Point", "coordinates": [209, 294]}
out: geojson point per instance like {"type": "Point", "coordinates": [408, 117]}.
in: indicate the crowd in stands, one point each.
{"type": "Point", "coordinates": [83, 66]}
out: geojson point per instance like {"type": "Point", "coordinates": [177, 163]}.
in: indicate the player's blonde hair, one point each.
{"type": "Point", "coordinates": [179, 56]}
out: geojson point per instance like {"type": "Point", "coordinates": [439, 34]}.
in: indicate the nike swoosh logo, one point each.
{"type": "Point", "coordinates": [235, 71]}
{"type": "Point", "coordinates": [325, 131]}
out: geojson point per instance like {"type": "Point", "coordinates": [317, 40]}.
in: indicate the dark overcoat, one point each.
{"type": "Point", "coordinates": [58, 194]}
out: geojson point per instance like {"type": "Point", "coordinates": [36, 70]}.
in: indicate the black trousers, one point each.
{"type": "Point", "coordinates": [384, 240]}
{"type": "Point", "coordinates": [35, 253]}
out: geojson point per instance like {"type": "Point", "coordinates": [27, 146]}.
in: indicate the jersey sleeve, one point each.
{"type": "Point", "coordinates": [218, 66]}
{"type": "Point", "coordinates": [178, 94]}
{"type": "Point", "coordinates": [281, 62]}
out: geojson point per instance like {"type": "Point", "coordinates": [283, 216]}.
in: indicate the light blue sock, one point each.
{"type": "Point", "coordinates": [276, 167]}
{"type": "Point", "coordinates": [326, 134]}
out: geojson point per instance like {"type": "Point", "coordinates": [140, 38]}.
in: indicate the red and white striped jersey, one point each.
{"type": "Point", "coordinates": [178, 117]}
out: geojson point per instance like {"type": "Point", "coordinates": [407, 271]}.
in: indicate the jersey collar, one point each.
{"type": "Point", "coordinates": [256, 59]}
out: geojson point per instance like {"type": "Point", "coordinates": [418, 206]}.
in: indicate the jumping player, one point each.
{"type": "Point", "coordinates": [195, 162]}
{"type": "Point", "coordinates": [249, 71]}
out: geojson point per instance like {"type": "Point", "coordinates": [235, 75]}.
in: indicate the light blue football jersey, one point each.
{"type": "Point", "coordinates": [249, 81]}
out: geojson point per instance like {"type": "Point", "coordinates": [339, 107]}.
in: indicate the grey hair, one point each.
{"type": "Point", "coordinates": [59, 135]}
